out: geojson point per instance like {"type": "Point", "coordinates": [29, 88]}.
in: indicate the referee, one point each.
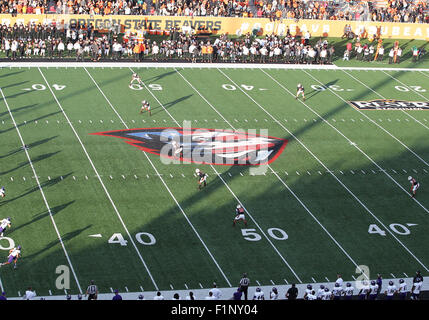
{"type": "Point", "coordinates": [244, 285]}
{"type": "Point", "coordinates": [92, 291]}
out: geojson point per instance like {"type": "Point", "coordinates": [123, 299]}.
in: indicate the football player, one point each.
{"type": "Point", "coordinates": [308, 291]}
{"type": "Point", "coordinates": [320, 292]}
{"type": "Point", "coordinates": [135, 77]}
{"type": "Point", "coordinates": [327, 295]}
{"type": "Point", "coordinates": [337, 291]}
{"type": "Point", "coordinates": [414, 186]}
{"type": "Point", "coordinates": [415, 290]}
{"type": "Point", "coordinates": [311, 295]}
{"type": "Point", "coordinates": [373, 290]}
{"type": "Point", "coordinates": [2, 192]}
{"type": "Point", "coordinates": [3, 225]}
{"type": "Point", "coordinates": [403, 290]}
{"type": "Point", "coordinates": [145, 106]}
{"type": "Point", "coordinates": [202, 178]}
{"type": "Point", "coordinates": [363, 293]}
{"type": "Point", "coordinates": [14, 254]}
{"type": "Point", "coordinates": [348, 291]}
{"type": "Point", "coordinates": [239, 215]}
{"type": "Point", "coordinates": [391, 290]}
{"type": "Point", "coordinates": [259, 295]}
{"type": "Point", "coordinates": [300, 90]}
{"type": "Point", "coordinates": [177, 150]}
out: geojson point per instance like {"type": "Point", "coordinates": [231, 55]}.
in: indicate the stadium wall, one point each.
{"type": "Point", "coordinates": [237, 26]}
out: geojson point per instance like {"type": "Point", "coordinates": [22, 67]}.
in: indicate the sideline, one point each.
{"type": "Point", "coordinates": [188, 65]}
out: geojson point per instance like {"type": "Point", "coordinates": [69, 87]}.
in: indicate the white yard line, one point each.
{"type": "Point", "coordinates": [350, 142]}
{"type": "Point", "coordinates": [163, 182]}
{"type": "Point", "coordinates": [278, 177]}
{"type": "Point", "coordinates": [99, 179]}
{"type": "Point", "coordinates": [42, 193]}
{"type": "Point", "coordinates": [332, 174]}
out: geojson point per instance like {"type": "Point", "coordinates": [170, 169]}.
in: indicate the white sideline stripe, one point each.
{"type": "Point", "coordinates": [43, 194]}
{"type": "Point", "coordinates": [374, 122]}
{"type": "Point", "coordinates": [251, 217]}
{"type": "Point", "coordinates": [335, 177]}
{"type": "Point", "coordinates": [290, 190]}
{"type": "Point", "coordinates": [157, 65]}
{"type": "Point", "coordinates": [160, 177]}
{"type": "Point", "coordinates": [99, 179]}
{"type": "Point", "coordinates": [370, 159]}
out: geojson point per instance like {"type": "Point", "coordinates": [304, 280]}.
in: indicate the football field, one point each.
{"type": "Point", "coordinates": [337, 197]}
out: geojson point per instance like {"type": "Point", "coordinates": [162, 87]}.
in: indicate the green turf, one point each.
{"type": "Point", "coordinates": [326, 221]}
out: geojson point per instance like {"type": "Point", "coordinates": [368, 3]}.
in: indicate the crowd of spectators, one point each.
{"type": "Point", "coordinates": [21, 42]}
{"type": "Point", "coordinates": [393, 10]}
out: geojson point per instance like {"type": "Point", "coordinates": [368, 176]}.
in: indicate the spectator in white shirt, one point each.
{"type": "Point", "coordinates": [210, 296]}
{"type": "Point", "coordinates": [216, 292]}
{"type": "Point", "coordinates": [29, 294]}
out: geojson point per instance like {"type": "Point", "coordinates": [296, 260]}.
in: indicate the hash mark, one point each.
{"type": "Point", "coordinates": [286, 281]}
{"type": "Point", "coordinates": [258, 282]}
{"type": "Point", "coordinates": [353, 277]}
{"type": "Point", "coordinates": [286, 173]}
{"type": "Point", "coordinates": [363, 172]}
{"type": "Point", "coordinates": [425, 170]}
{"type": "Point", "coordinates": [74, 178]}
{"type": "Point", "coordinates": [309, 173]}
{"type": "Point", "coordinates": [111, 289]}
{"type": "Point", "coordinates": [404, 170]}
{"type": "Point", "coordinates": [352, 171]}
{"type": "Point", "coordinates": [123, 177]}
{"type": "Point", "coordinates": [186, 286]}
{"type": "Point", "coordinates": [201, 286]}
{"type": "Point", "coordinates": [405, 274]}
{"type": "Point", "coordinates": [394, 171]}
{"type": "Point", "coordinates": [183, 175]}
{"type": "Point", "coordinates": [334, 120]}
{"type": "Point", "coordinates": [341, 172]}
{"type": "Point", "coordinates": [171, 286]}
{"type": "Point", "coordinates": [141, 288]}
{"type": "Point", "coordinates": [126, 289]}
{"type": "Point", "coordinates": [111, 177]}
{"type": "Point", "coordinates": [49, 178]}
{"type": "Point", "coordinates": [229, 173]}
{"type": "Point", "coordinates": [415, 170]}
{"type": "Point", "coordinates": [86, 177]}
{"type": "Point", "coordinates": [327, 279]}
{"type": "Point", "coordinates": [135, 176]}
{"type": "Point", "coordinates": [392, 275]}
{"type": "Point", "coordinates": [272, 282]}
{"type": "Point", "coordinates": [313, 279]}
{"type": "Point", "coordinates": [297, 172]}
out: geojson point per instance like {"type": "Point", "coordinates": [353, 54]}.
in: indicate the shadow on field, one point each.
{"type": "Point", "coordinates": [159, 77]}
{"type": "Point", "coordinates": [171, 104]}
{"type": "Point", "coordinates": [33, 160]}
{"type": "Point", "coordinates": [39, 216]}
{"type": "Point", "coordinates": [316, 92]}
{"type": "Point", "coordinates": [14, 84]}
{"type": "Point", "coordinates": [46, 183]}
{"type": "Point", "coordinates": [65, 238]}
{"type": "Point", "coordinates": [30, 106]}
{"type": "Point", "coordinates": [30, 121]}
{"type": "Point", "coordinates": [31, 145]}
{"type": "Point", "coordinates": [12, 73]}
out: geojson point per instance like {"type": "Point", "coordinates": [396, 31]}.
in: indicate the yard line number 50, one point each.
{"type": "Point", "coordinates": [275, 233]}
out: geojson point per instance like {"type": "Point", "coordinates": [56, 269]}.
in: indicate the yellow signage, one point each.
{"type": "Point", "coordinates": [237, 26]}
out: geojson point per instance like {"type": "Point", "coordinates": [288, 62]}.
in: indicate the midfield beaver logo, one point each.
{"type": "Point", "coordinates": [390, 104]}
{"type": "Point", "coordinates": [204, 146]}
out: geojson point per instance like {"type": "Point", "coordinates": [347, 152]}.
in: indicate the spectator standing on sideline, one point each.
{"type": "Point", "coordinates": [3, 296]}
{"type": "Point", "coordinates": [244, 285]}
{"type": "Point", "coordinates": [339, 280]}
{"type": "Point", "coordinates": [292, 292]}
{"type": "Point", "coordinates": [92, 291]}
{"type": "Point", "coordinates": [117, 296]}
{"type": "Point", "coordinates": [176, 296]}
{"type": "Point", "coordinates": [29, 294]}
{"type": "Point", "coordinates": [237, 294]}
{"type": "Point", "coordinates": [141, 297]}
{"type": "Point", "coordinates": [216, 292]}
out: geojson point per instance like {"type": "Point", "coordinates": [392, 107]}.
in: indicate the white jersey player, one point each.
{"type": "Point", "coordinates": [145, 106]}
{"type": "Point", "coordinates": [414, 186]}
{"type": "Point", "coordinates": [415, 290]}
{"type": "Point", "coordinates": [337, 291]}
{"type": "Point", "coordinates": [259, 294]}
{"type": "Point", "coordinates": [2, 192]}
{"type": "Point", "coordinates": [239, 215]}
{"type": "Point", "coordinates": [308, 291]}
{"type": "Point", "coordinates": [300, 91]}
{"type": "Point", "coordinates": [403, 289]}
{"type": "Point", "coordinates": [311, 295]}
{"type": "Point", "coordinates": [320, 292]}
{"type": "Point", "coordinates": [3, 225]}
{"type": "Point", "coordinates": [135, 77]}
{"type": "Point", "coordinates": [348, 291]}
{"type": "Point", "coordinates": [390, 291]}
{"type": "Point", "coordinates": [177, 149]}
{"type": "Point", "coordinates": [327, 295]}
